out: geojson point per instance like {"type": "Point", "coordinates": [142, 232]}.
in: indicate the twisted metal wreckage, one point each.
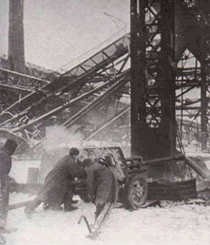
{"type": "Point", "coordinates": [164, 36]}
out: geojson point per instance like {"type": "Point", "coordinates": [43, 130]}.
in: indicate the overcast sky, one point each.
{"type": "Point", "coordinates": [58, 31]}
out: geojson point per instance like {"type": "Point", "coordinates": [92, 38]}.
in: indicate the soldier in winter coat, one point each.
{"type": "Point", "coordinates": [101, 184]}
{"type": "Point", "coordinates": [58, 188]}
{"type": "Point", "coordinates": [5, 165]}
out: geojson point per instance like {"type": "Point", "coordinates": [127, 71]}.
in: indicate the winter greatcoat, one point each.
{"type": "Point", "coordinates": [5, 166]}
{"type": "Point", "coordinates": [101, 184]}
{"type": "Point", "coordinates": [58, 181]}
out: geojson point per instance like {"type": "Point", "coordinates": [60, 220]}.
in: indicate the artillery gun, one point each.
{"type": "Point", "coordinates": [130, 175]}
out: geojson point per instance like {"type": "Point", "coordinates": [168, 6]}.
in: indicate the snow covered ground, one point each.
{"type": "Point", "coordinates": [20, 168]}
{"type": "Point", "coordinates": [175, 223]}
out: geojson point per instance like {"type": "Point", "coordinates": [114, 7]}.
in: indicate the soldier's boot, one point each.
{"type": "Point", "coordinates": [4, 228]}
{"type": "Point", "coordinates": [28, 212]}
{"type": "Point", "coordinates": [29, 209]}
{"type": "Point", "coordinates": [7, 230]}
{"type": "Point", "coordinates": [56, 208]}
{"type": "Point", "coordinates": [74, 201]}
{"type": "Point", "coordinates": [68, 201]}
{"type": "Point", "coordinates": [68, 207]}
{"type": "Point", "coordinates": [46, 206]}
{"type": "Point", "coordinates": [2, 240]}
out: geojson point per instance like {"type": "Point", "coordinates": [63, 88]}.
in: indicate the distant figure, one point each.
{"type": "Point", "coordinates": [5, 165]}
{"type": "Point", "coordinates": [101, 184]}
{"type": "Point", "coordinates": [58, 187]}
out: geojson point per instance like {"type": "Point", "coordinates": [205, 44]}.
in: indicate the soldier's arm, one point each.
{"type": "Point", "coordinates": [81, 174]}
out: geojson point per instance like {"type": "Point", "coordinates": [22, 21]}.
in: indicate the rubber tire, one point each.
{"type": "Point", "coordinates": [135, 181]}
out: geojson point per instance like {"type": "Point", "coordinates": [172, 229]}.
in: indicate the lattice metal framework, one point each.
{"type": "Point", "coordinates": [152, 78]}
{"type": "Point", "coordinates": [97, 81]}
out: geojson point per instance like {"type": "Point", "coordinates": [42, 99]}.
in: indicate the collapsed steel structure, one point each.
{"type": "Point", "coordinates": [165, 37]}
{"type": "Point", "coordinates": [98, 81]}
{"type": "Point", "coordinates": [163, 58]}
{"type": "Point", "coordinates": [161, 31]}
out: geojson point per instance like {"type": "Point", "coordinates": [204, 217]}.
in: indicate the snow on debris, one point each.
{"type": "Point", "coordinates": [175, 223]}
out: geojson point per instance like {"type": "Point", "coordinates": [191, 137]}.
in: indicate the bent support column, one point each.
{"type": "Point", "coordinates": [197, 169]}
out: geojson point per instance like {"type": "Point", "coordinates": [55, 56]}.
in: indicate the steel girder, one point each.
{"type": "Point", "coordinates": [77, 76]}
{"type": "Point", "coordinates": [105, 65]}
{"type": "Point", "coordinates": [198, 42]}
{"type": "Point", "coordinates": [106, 79]}
{"type": "Point", "coordinates": [157, 45]}
{"type": "Point", "coordinates": [153, 126]}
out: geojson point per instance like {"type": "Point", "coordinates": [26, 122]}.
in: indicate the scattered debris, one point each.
{"type": "Point", "coordinates": [196, 201]}
{"type": "Point", "coordinates": [87, 223]}
{"type": "Point", "coordinates": [100, 221]}
{"type": "Point", "coordinates": [204, 194]}
{"type": "Point", "coordinates": [151, 203]}
{"type": "Point", "coordinates": [95, 230]}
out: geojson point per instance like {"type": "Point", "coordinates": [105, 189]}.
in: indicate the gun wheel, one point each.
{"type": "Point", "coordinates": [137, 190]}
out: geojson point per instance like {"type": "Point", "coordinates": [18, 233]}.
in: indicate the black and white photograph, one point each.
{"type": "Point", "coordinates": [104, 129]}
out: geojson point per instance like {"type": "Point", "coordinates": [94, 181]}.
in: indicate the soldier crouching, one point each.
{"type": "Point", "coordinates": [101, 184]}
{"type": "Point", "coordinates": [58, 187]}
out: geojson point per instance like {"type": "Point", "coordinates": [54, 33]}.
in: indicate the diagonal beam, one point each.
{"type": "Point", "coordinates": [121, 113]}
{"type": "Point", "coordinates": [122, 81]}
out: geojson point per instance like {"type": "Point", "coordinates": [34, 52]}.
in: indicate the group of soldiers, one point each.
{"type": "Point", "coordinates": [58, 188]}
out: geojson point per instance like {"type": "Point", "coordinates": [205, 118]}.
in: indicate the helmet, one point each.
{"type": "Point", "coordinates": [74, 151]}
